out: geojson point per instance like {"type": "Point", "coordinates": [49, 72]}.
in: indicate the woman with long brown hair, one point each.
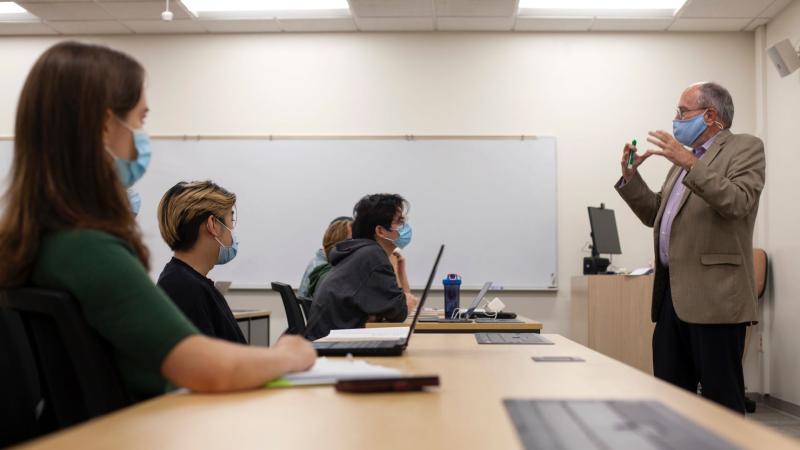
{"type": "Point", "coordinates": [67, 225]}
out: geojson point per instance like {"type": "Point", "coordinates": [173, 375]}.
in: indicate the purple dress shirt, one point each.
{"type": "Point", "coordinates": [673, 202]}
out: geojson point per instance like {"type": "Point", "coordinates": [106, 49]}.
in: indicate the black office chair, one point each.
{"type": "Point", "coordinates": [305, 305]}
{"type": "Point", "coordinates": [21, 410]}
{"type": "Point", "coordinates": [77, 376]}
{"type": "Point", "coordinates": [294, 315]}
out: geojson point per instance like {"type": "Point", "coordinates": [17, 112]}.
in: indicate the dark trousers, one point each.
{"type": "Point", "coordinates": [686, 354]}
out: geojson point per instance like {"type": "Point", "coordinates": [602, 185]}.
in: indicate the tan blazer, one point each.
{"type": "Point", "coordinates": [711, 242]}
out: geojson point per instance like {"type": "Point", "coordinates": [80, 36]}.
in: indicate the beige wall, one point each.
{"type": "Point", "coordinates": [782, 217]}
{"type": "Point", "coordinates": [592, 91]}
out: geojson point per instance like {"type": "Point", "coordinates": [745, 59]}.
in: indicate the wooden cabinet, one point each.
{"type": "Point", "coordinates": [611, 314]}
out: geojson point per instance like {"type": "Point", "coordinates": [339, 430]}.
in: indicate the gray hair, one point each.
{"type": "Point", "coordinates": [716, 96]}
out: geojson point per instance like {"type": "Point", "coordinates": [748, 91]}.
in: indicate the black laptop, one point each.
{"type": "Point", "coordinates": [379, 347]}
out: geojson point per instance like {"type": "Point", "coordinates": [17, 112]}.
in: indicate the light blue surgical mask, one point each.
{"type": "Point", "coordinates": [130, 171]}
{"type": "Point", "coordinates": [404, 236]}
{"type": "Point", "coordinates": [227, 252]}
{"type": "Point", "coordinates": [687, 131]}
{"type": "Point", "coordinates": [135, 201]}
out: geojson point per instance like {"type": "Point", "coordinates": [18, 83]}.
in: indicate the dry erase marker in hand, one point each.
{"type": "Point", "coordinates": [632, 154]}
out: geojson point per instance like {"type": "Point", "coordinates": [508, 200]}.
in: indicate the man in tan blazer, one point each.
{"type": "Point", "coordinates": [704, 293]}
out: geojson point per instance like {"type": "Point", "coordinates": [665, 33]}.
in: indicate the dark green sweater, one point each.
{"type": "Point", "coordinates": [317, 275]}
{"type": "Point", "coordinates": [118, 299]}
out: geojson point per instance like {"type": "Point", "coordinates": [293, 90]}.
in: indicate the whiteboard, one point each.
{"type": "Point", "coordinates": [492, 202]}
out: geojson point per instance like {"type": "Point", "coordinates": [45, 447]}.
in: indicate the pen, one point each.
{"type": "Point", "coordinates": [632, 154]}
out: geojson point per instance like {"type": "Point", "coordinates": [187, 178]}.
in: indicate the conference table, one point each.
{"type": "Point", "coordinates": [465, 412]}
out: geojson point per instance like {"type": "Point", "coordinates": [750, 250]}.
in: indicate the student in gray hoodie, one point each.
{"type": "Point", "coordinates": [363, 285]}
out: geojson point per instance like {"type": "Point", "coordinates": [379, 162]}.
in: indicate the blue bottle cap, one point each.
{"type": "Point", "coordinates": [452, 279]}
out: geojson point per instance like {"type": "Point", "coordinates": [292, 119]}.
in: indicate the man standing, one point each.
{"type": "Point", "coordinates": [704, 294]}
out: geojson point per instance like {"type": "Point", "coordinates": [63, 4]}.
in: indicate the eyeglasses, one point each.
{"type": "Point", "coordinates": [679, 113]}
{"type": "Point", "coordinates": [233, 219]}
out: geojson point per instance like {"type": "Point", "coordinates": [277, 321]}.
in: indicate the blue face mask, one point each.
{"type": "Point", "coordinates": [687, 131]}
{"type": "Point", "coordinates": [404, 236]}
{"type": "Point", "coordinates": [131, 171]}
{"type": "Point", "coordinates": [227, 252]}
{"type": "Point", "coordinates": [135, 200]}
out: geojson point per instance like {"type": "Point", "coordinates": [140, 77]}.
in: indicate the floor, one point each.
{"type": "Point", "coordinates": [779, 420]}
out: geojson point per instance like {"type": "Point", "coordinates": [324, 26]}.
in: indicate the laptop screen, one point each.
{"type": "Point", "coordinates": [478, 298]}
{"type": "Point", "coordinates": [424, 294]}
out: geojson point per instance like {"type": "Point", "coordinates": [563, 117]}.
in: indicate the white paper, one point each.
{"type": "Point", "coordinates": [379, 333]}
{"type": "Point", "coordinates": [641, 271]}
{"type": "Point", "coordinates": [332, 370]}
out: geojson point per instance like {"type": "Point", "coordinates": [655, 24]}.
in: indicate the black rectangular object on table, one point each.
{"type": "Point", "coordinates": [401, 384]}
{"type": "Point", "coordinates": [512, 339]}
{"type": "Point", "coordinates": [607, 424]}
{"type": "Point", "coordinates": [500, 315]}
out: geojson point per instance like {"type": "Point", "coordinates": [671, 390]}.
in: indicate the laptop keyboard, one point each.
{"type": "Point", "coordinates": [357, 344]}
{"type": "Point", "coordinates": [607, 424]}
{"type": "Point", "coordinates": [512, 338]}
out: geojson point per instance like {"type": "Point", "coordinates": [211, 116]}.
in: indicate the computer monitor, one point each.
{"type": "Point", "coordinates": [605, 239]}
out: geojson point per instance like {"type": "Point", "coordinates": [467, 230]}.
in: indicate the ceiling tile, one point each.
{"type": "Point", "coordinates": [553, 23]}
{"type": "Point", "coordinates": [631, 24]}
{"type": "Point", "coordinates": [757, 22]}
{"type": "Point", "coordinates": [395, 24]}
{"type": "Point", "coordinates": [90, 27]}
{"type": "Point", "coordinates": [24, 28]}
{"type": "Point", "coordinates": [241, 26]}
{"type": "Point", "coordinates": [317, 25]}
{"type": "Point", "coordinates": [391, 8]}
{"type": "Point", "coordinates": [476, 8]}
{"type": "Point", "coordinates": [126, 10]}
{"type": "Point", "coordinates": [682, 24]}
{"type": "Point", "coordinates": [159, 26]}
{"type": "Point", "coordinates": [775, 9]}
{"type": "Point", "coordinates": [54, 1]}
{"type": "Point", "coordinates": [67, 11]}
{"type": "Point", "coordinates": [474, 23]}
{"type": "Point", "coordinates": [724, 8]}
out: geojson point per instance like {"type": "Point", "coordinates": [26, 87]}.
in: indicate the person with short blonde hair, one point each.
{"type": "Point", "coordinates": [196, 220]}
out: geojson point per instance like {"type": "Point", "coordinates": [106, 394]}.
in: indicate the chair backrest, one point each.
{"type": "Point", "coordinates": [294, 315]}
{"type": "Point", "coordinates": [21, 412]}
{"type": "Point", "coordinates": [78, 377]}
{"type": "Point", "coordinates": [305, 305]}
{"type": "Point", "coordinates": [760, 264]}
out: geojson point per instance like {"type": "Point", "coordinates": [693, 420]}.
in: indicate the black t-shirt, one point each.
{"type": "Point", "coordinates": [200, 301]}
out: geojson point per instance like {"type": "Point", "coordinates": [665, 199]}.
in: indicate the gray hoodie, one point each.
{"type": "Point", "coordinates": [362, 283]}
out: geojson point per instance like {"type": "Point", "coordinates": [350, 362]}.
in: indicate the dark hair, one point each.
{"type": "Point", "coordinates": [61, 177]}
{"type": "Point", "coordinates": [373, 210]}
{"type": "Point", "coordinates": [341, 218]}
{"type": "Point", "coordinates": [187, 205]}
